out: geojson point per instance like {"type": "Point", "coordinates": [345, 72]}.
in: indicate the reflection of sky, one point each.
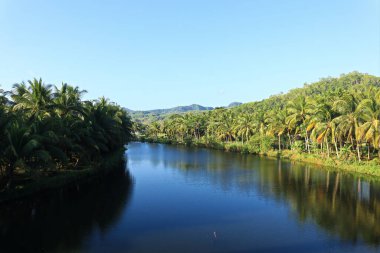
{"type": "Point", "coordinates": [181, 191]}
{"type": "Point", "coordinates": [180, 199]}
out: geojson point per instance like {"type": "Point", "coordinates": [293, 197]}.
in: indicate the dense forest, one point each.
{"type": "Point", "coordinates": [337, 118]}
{"type": "Point", "coordinates": [46, 129]}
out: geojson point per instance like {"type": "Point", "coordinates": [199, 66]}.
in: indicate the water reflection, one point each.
{"type": "Point", "coordinates": [343, 205]}
{"type": "Point", "coordinates": [61, 221]}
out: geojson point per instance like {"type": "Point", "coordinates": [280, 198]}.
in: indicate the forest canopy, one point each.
{"type": "Point", "coordinates": [45, 129]}
{"type": "Point", "coordinates": [332, 117]}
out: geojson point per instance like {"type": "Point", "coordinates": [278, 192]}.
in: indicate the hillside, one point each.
{"type": "Point", "coordinates": [334, 117]}
{"type": "Point", "coordinates": [323, 89]}
{"type": "Point", "coordinates": [149, 116]}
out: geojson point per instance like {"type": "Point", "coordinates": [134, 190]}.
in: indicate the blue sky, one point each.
{"type": "Point", "coordinates": [162, 53]}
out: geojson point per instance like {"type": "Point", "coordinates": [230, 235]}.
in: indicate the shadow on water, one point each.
{"type": "Point", "coordinates": [63, 219]}
{"type": "Point", "coordinates": [341, 204]}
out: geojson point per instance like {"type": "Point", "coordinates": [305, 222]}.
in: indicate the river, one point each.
{"type": "Point", "coordinates": [170, 198]}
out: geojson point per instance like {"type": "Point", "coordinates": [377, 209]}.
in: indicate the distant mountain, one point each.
{"type": "Point", "coordinates": [233, 104]}
{"type": "Point", "coordinates": [156, 114]}
{"type": "Point", "coordinates": [180, 109]}
{"type": "Point", "coordinates": [177, 109]}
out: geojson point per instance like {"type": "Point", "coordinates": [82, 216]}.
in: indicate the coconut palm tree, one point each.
{"type": "Point", "coordinates": [154, 129]}
{"type": "Point", "coordinates": [369, 109]}
{"type": "Point", "coordinates": [23, 150]}
{"type": "Point", "coordinates": [348, 121]}
{"type": "Point", "coordinates": [244, 126]}
{"type": "Point", "coordinates": [277, 124]}
{"type": "Point", "coordinates": [323, 127]}
{"type": "Point", "coordinates": [67, 100]}
{"type": "Point", "coordinates": [35, 100]}
{"type": "Point", "coordinates": [225, 126]}
{"type": "Point", "coordinates": [299, 111]}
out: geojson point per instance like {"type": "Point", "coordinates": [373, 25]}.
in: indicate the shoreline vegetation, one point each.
{"type": "Point", "coordinates": [51, 138]}
{"type": "Point", "coordinates": [65, 179]}
{"type": "Point", "coordinates": [334, 122]}
{"type": "Point", "coordinates": [362, 168]}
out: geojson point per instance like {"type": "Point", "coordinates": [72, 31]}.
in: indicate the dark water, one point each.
{"type": "Point", "coordinates": [177, 199]}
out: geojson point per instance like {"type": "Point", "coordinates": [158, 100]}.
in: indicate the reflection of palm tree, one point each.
{"type": "Point", "coordinates": [322, 196]}
{"type": "Point", "coordinates": [335, 191]}
{"type": "Point", "coordinates": [75, 212]}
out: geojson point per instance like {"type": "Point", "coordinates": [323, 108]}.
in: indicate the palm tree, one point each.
{"type": "Point", "coordinates": [23, 150]}
{"type": "Point", "coordinates": [369, 109]}
{"type": "Point", "coordinates": [323, 126]}
{"type": "Point", "coordinates": [41, 130]}
{"type": "Point", "coordinates": [299, 111]}
{"type": "Point", "coordinates": [67, 100]}
{"type": "Point", "coordinates": [277, 124]}
{"type": "Point", "coordinates": [225, 124]}
{"type": "Point", "coordinates": [196, 122]}
{"type": "Point", "coordinates": [244, 126]}
{"type": "Point", "coordinates": [180, 125]}
{"type": "Point", "coordinates": [19, 89]}
{"type": "Point", "coordinates": [35, 100]}
{"type": "Point", "coordinates": [260, 118]}
{"type": "Point", "coordinates": [155, 129]}
{"type": "Point", "coordinates": [348, 121]}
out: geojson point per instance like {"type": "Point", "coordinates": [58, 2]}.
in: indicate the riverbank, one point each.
{"type": "Point", "coordinates": [65, 178]}
{"type": "Point", "coordinates": [368, 168]}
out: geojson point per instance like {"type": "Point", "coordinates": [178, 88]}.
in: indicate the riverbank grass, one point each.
{"type": "Point", "coordinates": [349, 164]}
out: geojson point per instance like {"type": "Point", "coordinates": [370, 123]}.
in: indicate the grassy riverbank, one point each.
{"type": "Point", "coordinates": [332, 122]}
{"type": "Point", "coordinates": [348, 164]}
{"type": "Point", "coordinates": [64, 178]}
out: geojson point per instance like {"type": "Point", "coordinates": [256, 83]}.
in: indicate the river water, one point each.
{"type": "Point", "coordinates": [178, 199]}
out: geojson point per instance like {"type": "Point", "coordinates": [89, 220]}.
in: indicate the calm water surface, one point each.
{"type": "Point", "coordinates": [178, 199]}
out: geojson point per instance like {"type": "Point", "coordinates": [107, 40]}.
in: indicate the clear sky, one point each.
{"type": "Point", "coordinates": [162, 53]}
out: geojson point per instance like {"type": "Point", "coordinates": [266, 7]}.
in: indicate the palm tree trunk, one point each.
{"type": "Point", "coordinates": [307, 142]}
{"type": "Point", "coordinates": [358, 150]}
{"type": "Point", "coordinates": [9, 177]}
{"type": "Point", "coordinates": [336, 148]}
{"type": "Point", "coordinates": [328, 148]}
{"type": "Point", "coordinates": [368, 150]}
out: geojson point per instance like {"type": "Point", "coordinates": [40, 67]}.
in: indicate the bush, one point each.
{"type": "Point", "coordinates": [260, 144]}
{"type": "Point", "coordinates": [298, 146]}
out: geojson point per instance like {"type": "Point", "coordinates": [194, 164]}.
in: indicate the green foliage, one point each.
{"type": "Point", "coordinates": [298, 146]}
{"type": "Point", "coordinates": [43, 130]}
{"type": "Point", "coordinates": [335, 117]}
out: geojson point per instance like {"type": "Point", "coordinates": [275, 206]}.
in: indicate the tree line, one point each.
{"type": "Point", "coordinates": [334, 117]}
{"type": "Point", "coordinates": [45, 129]}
